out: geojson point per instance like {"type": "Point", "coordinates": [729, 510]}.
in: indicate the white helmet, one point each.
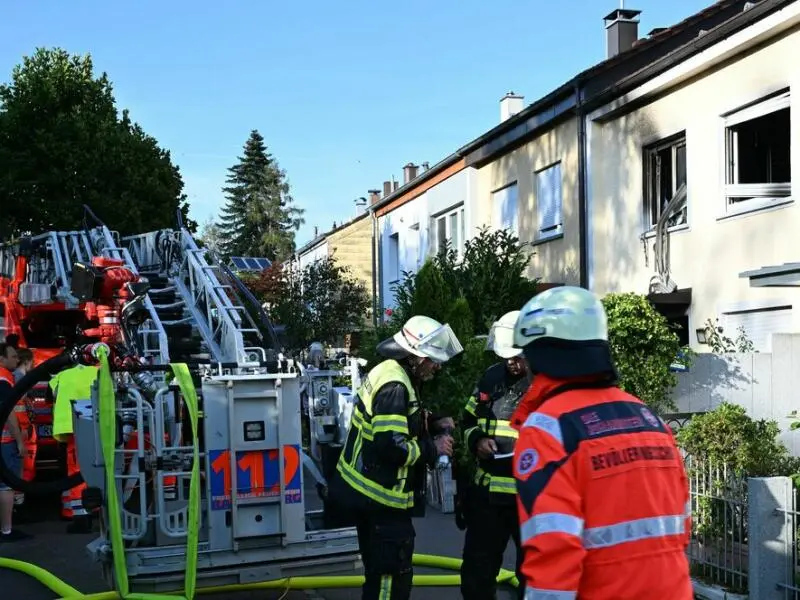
{"type": "Point", "coordinates": [501, 336]}
{"type": "Point", "coordinates": [426, 337]}
{"type": "Point", "coordinates": [564, 333]}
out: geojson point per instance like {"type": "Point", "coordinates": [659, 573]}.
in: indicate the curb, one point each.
{"type": "Point", "coordinates": [712, 592]}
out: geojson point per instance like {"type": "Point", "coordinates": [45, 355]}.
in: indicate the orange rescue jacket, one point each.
{"type": "Point", "coordinates": [603, 496]}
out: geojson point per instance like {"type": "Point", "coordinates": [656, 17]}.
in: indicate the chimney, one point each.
{"type": "Point", "coordinates": [622, 27]}
{"type": "Point", "coordinates": [374, 196]}
{"type": "Point", "coordinates": [409, 172]}
{"type": "Point", "coordinates": [316, 231]}
{"type": "Point", "coordinates": [395, 185]}
{"type": "Point", "coordinates": [387, 188]}
{"type": "Point", "coordinates": [425, 166]}
{"type": "Point", "coordinates": [510, 104]}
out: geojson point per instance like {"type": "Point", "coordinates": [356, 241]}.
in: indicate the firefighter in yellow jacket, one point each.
{"type": "Point", "coordinates": [487, 506]}
{"type": "Point", "coordinates": [381, 471]}
{"type": "Point", "coordinates": [68, 386]}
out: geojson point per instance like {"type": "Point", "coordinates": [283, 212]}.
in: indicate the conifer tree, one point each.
{"type": "Point", "coordinates": [259, 217]}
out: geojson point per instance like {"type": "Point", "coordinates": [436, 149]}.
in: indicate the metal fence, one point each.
{"type": "Point", "coordinates": [718, 551]}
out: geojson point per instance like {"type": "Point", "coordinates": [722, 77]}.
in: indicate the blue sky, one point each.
{"type": "Point", "coordinates": [345, 93]}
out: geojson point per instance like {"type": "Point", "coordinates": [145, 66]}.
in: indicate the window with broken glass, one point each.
{"type": "Point", "coordinates": [665, 171]}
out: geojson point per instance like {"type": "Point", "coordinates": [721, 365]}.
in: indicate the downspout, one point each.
{"type": "Point", "coordinates": [375, 262]}
{"type": "Point", "coordinates": [582, 201]}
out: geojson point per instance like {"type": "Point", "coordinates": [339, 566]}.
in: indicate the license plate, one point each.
{"type": "Point", "coordinates": [45, 431]}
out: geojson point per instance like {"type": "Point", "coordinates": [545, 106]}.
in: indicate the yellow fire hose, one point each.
{"type": "Point", "coordinates": [107, 439]}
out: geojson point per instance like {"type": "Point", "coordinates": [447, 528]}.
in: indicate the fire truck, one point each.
{"type": "Point", "coordinates": [147, 302]}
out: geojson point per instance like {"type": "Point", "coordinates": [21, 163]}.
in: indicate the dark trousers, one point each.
{"type": "Point", "coordinates": [386, 543]}
{"type": "Point", "coordinates": [490, 526]}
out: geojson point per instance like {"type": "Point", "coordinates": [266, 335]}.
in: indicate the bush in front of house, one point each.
{"type": "Point", "coordinates": [643, 345]}
{"type": "Point", "coordinates": [724, 447]}
{"type": "Point", "coordinates": [729, 436]}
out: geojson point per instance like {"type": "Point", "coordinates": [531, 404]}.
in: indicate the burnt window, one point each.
{"type": "Point", "coordinates": [665, 172]}
{"type": "Point", "coordinates": [758, 155]}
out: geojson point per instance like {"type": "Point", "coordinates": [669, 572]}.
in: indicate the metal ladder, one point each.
{"type": "Point", "coordinates": [196, 297]}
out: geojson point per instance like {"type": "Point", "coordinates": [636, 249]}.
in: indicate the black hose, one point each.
{"type": "Point", "coordinates": [41, 373]}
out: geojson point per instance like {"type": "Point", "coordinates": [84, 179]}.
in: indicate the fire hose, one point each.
{"type": "Point", "coordinates": [108, 440]}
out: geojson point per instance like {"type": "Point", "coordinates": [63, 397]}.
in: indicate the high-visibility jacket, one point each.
{"type": "Point", "coordinates": [487, 414]}
{"type": "Point", "coordinates": [603, 496]}
{"type": "Point", "coordinates": [68, 386]}
{"type": "Point", "coordinates": [384, 440]}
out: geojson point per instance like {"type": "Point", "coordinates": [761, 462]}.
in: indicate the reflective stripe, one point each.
{"type": "Point", "coordinates": [369, 488]}
{"type": "Point", "coordinates": [496, 483]}
{"type": "Point", "coordinates": [472, 406]}
{"type": "Point", "coordinates": [687, 512]}
{"type": "Point", "coordinates": [550, 523]}
{"type": "Point", "coordinates": [541, 594]}
{"type": "Point", "coordinates": [395, 423]}
{"type": "Point", "coordinates": [545, 423]}
{"type": "Point", "coordinates": [633, 531]}
{"type": "Point", "coordinates": [385, 588]}
{"type": "Point", "coordinates": [413, 452]}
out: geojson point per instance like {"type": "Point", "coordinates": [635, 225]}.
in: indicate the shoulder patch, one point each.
{"type": "Point", "coordinates": [650, 417]}
{"type": "Point", "coordinates": [527, 461]}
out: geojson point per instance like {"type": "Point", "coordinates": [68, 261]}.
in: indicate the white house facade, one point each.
{"type": "Point", "coordinates": [418, 228]}
{"type": "Point", "coordinates": [723, 123]}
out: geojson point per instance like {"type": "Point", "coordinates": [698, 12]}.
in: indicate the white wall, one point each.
{"type": "Point", "coordinates": [763, 383]}
{"type": "Point", "coordinates": [709, 251]}
{"type": "Point", "coordinates": [314, 254]}
{"type": "Point", "coordinates": [406, 233]}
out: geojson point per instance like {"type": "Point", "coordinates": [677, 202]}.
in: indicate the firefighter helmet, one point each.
{"type": "Point", "coordinates": [501, 336]}
{"type": "Point", "coordinates": [563, 332]}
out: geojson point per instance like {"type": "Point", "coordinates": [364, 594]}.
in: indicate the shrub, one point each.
{"type": "Point", "coordinates": [728, 436]}
{"type": "Point", "coordinates": [643, 346]}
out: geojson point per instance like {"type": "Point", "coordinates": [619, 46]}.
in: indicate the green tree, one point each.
{"type": "Point", "coordinates": [259, 217]}
{"type": "Point", "coordinates": [63, 144]}
{"type": "Point", "coordinates": [321, 302]}
{"type": "Point", "coordinates": [643, 346]}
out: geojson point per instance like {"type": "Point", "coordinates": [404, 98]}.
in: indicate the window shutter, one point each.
{"type": "Point", "coordinates": [758, 325]}
{"type": "Point", "coordinates": [548, 198]}
{"type": "Point", "coordinates": [504, 208]}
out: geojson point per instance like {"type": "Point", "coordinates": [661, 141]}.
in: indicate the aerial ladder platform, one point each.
{"type": "Point", "coordinates": [150, 301]}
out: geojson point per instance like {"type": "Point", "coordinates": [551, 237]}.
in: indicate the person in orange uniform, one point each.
{"type": "Point", "coordinates": [25, 418]}
{"type": "Point", "coordinates": [12, 446]}
{"type": "Point", "coordinates": [603, 497]}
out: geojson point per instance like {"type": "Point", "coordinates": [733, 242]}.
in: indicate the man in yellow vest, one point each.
{"type": "Point", "coordinates": [381, 471]}
{"type": "Point", "coordinates": [68, 386]}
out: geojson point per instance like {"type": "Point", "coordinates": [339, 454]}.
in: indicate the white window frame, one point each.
{"type": "Point", "coordinates": [546, 230]}
{"type": "Point", "coordinates": [672, 143]}
{"type": "Point", "coordinates": [501, 195]}
{"type": "Point", "coordinates": [456, 211]}
{"type": "Point", "coordinates": [759, 195]}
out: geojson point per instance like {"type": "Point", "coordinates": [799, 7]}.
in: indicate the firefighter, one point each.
{"type": "Point", "coordinates": [68, 386]}
{"type": "Point", "coordinates": [381, 475]}
{"type": "Point", "coordinates": [602, 491]}
{"type": "Point", "coordinates": [26, 418]}
{"type": "Point", "coordinates": [489, 503]}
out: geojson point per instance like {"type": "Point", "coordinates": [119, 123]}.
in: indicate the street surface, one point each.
{"type": "Point", "coordinates": [65, 556]}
